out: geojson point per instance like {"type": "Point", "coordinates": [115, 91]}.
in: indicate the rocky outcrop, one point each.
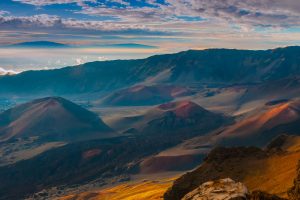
{"type": "Point", "coordinates": [227, 189]}
{"type": "Point", "coordinates": [248, 164]}
{"type": "Point", "coordinates": [219, 164]}
{"type": "Point", "coordinates": [276, 145]}
{"type": "Point", "coordinates": [223, 189]}
{"type": "Point", "coordinates": [294, 192]}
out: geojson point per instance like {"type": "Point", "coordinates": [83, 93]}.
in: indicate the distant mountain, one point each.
{"type": "Point", "coordinates": [217, 67]}
{"type": "Point", "coordinates": [146, 95]}
{"type": "Point", "coordinates": [270, 170]}
{"type": "Point", "coordinates": [39, 44]}
{"type": "Point", "coordinates": [51, 119]}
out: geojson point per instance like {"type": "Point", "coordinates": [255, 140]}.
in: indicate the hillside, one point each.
{"type": "Point", "coordinates": [183, 118]}
{"type": "Point", "coordinates": [145, 190]}
{"type": "Point", "coordinates": [263, 124]}
{"type": "Point", "coordinates": [271, 170]}
{"type": "Point", "coordinates": [53, 119]}
{"type": "Point", "coordinates": [100, 160]}
{"type": "Point", "coordinates": [140, 95]}
{"type": "Point", "coordinates": [77, 164]}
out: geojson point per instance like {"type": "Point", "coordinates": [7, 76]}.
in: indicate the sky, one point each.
{"type": "Point", "coordinates": [169, 25]}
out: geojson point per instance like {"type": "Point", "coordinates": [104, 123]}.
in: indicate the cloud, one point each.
{"type": "Point", "coordinates": [52, 2]}
{"type": "Point", "coordinates": [4, 12]}
{"type": "Point", "coordinates": [79, 61]}
{"type": "Point", "coordinates": [127, 15]}
{"type": "Point", "coordinates": [6, 72]}
{"type": "Point", "coordinates": [55, 24]}
{"type": "Point", "coordinates": [265, 13]}
{"type": "Point", "coordinates": [184, 22]}
{"type": "Point", "coordinates": [102, 58]}
{"type": "Point", "coordinates": [250, 12]}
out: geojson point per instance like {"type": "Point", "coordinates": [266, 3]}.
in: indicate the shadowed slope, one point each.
{"type": "Point", "coordinates": [184, 118]}
{"type": "Point", "coordinates": [146, 95]}
{"type": "Point", "coordinates": [78, 163]}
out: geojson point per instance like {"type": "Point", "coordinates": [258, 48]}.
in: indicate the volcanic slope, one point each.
{"type": "Point", "coordinates": [271, 170]}
{"type": "Point", "coordinates": [53, 119]}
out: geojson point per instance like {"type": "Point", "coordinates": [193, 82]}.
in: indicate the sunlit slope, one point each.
{"type": "Point", "coordinates": [271, 170]}
{"type": "Point", "coordinates": [147, 190]}
{"type": "Point", "coordinates": [263, 124]}
{"type": "Point", "coordinates": [274, 175]}
{"type": "Point", "coordinates": [280, 114]}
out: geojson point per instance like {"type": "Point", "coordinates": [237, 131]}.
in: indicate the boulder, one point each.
{"type": "Point", "coordinates": [223, 189]}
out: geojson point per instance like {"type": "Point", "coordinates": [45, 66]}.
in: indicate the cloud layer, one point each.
{"type": "Point", "coordinates": [251, 12]}
{"type": "Point", "coordinates": [6, 72]}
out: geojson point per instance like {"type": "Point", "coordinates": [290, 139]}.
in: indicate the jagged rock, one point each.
{"type": "Point", "coordinates": [220, 163]}
{"type": "Point", "coordinates": [276, 144]}
{"type": "Point", "coordinates": [294, 192]}
{"type": "Point", "coordinates": [223, 189]}
{"type": "Point", "coordinates": [227, 189]}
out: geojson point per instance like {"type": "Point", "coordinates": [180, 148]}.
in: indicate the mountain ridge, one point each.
{"type": "Point", "coordinates": [39, 44]}
{"type": "Point", "coordinates": [212, 66]}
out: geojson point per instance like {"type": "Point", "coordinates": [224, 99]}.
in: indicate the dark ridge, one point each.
{"type": "Point", "coordinates": [39, 44]}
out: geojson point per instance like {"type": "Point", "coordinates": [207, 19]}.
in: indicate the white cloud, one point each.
{"type": "Point", "coordinates": [248, 12]}
{"type": "Point", "coordinates": [274, 13]}
{"type": "Point", "coordinates": [3, 12]}
{"type": "Point", "coordinates": [52, 2]}
{"type": "Point", "coordinates": [6, 72]}
{"type": "Point", "coordinates": [53, 23]}
{"type": "Point", "coordinates": [79, 61]}
{"type": "Point", "coordinates": [102, 58]}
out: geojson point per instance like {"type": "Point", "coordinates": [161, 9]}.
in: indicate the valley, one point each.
{"type": "Point", "coordinates": [87, 135]}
